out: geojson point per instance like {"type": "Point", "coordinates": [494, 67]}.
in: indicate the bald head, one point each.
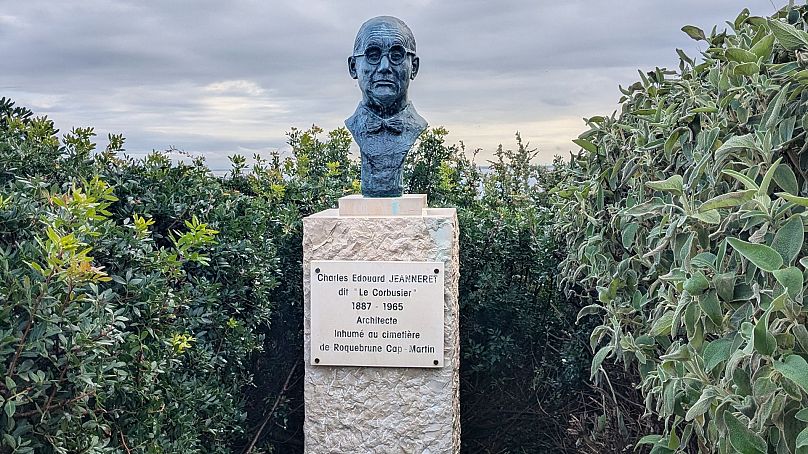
{"type": "Point", "coordinates": [383, 26]}
{"type": "Point", "coordinates": [384, 62]}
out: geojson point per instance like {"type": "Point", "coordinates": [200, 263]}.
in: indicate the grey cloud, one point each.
{"type": "Point", "coordinates": [216, 77]}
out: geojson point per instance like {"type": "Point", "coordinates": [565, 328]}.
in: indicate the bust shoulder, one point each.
{"type": "Point", "coordinates": [365, 123]}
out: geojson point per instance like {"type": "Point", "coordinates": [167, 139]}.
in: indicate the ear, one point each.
{"type": "Point", "coordinates": [416, 63]}
{"type": "Point", "coordinates": [352, 67]}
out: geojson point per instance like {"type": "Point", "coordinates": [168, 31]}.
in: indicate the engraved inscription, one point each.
{"type": "Point", "coordinates": [379, 314]}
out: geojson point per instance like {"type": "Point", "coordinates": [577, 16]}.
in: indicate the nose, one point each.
{"type": "Point", "coordinates": [384, 64]}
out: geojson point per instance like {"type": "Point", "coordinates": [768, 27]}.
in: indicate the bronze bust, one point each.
{"type": "Point", "coordinates": [385, 124]}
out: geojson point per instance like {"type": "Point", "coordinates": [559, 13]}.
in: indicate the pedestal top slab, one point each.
{"type": "Point", "coordinates": [406, 205]}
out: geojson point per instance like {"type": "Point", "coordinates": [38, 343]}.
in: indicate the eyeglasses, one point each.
{"type": "Point", "coordinates": [396, 54]}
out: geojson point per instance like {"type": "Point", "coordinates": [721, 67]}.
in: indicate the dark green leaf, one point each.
{"type": "Point", "coordinates": [10, 407]}
{"type": "Point", "coordinates": [691, 318]}
{"type": "Point", "coordinates": [705, 109]}
{"type": "Point", "coordinates": [788, 36]}
{"type": "Point", "coordinates": [654, 206]}
{"type": "Point", "coordinates": [747, 69]}
{"type": "Point", "coordinates": [598, 360]}
{"type": "Point", "coordinates": [762, 256]}
{"type": "Point", "coordinates": [802, 438]}
{"type": "Point", "coordinates": [742, 383]}
{"type": "Point", "coordinates": [672, 184]}
{"type": "Point", "coordinates": [717, 352]}
{"type": "Point", "coordinates": [744, 14]}
{"type": "Point", "coordinates": [661, 448]}
{"type": "Point", "coordinates": [763, 48]}
{"type": "Point", "coordinates": [703, 260]}
{"type": "Point", "coordinates": [712, 307]}
{"type": "Point", "coordinates": [702, 405]}
{"type": "Point", "coordinates": [791, 279]}
{"type": "Point", "coordinates": [789, 238]}
{"type": "Point", "coordinates": [708, 217]}
{"type": "Point", "coordinates": [586, 145]}
{"type": "Point", "coordinates": [649, 439]}
{"type": "Point", "coordinates": [745, 180]}
{"type": "Point", "coordinates": [802, 201]}
{"type": "Point", "coordinates": [767, 178]}
{"type": "Point", "coordinates": [727, 200]}
{"type": "Point", "coordinates": [762, 339]}
{"type": "Point", "coordinates": [785, 178]}
{"type": "Point", "coordinates": [591, 309]}
{"type": "Point", "coordinates": [795, 369]}
{"type": "Point", "coordinates": [725, 285]}
{"type": "Point", "coordinates": [741, 55]}
{"type": "Point", "coordinates": [696, 284]}
{"type": "Point", "coordinates": [745, 141]}
{"type": "Point", "coordinates": [662, 325]}
{"type": "Point", "coordinates": [671, 141]}
{"type": "Point", "coordinates": [12, 442]}
{"type": "Point", "coordinates": [694, 32]}
{"type": "Point", "coordinates": [683, 56]}
{"type": "Point", "coordinates": [743, 439]}
{"type": "Point", "coordinates": [801, 334]}
{"type": "Point", "coordinates": [629, 232]}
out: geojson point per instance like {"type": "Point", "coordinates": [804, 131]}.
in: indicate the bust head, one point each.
{"type": "Point", "coordinates": [384, 62]}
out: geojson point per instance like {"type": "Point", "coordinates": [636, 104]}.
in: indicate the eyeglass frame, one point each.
{"type": "Point", "coordinates": [407, 51]}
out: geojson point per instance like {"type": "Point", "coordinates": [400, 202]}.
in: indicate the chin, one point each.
{"type": "Point", "coordinates": [384, 92]}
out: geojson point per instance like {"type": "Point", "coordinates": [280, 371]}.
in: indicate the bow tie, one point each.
{"type": "Point", "coordinates": [376, 125]}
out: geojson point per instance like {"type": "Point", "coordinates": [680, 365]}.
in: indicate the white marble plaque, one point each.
{"type": "Point", "coordinates": [380, 314]}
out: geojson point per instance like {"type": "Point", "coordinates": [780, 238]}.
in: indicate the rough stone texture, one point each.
{"type": "Point", "coordinates": [384, 410]}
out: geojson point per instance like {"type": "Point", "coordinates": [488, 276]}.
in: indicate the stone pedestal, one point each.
{"type": "Point", "coordinates": [384, 409]}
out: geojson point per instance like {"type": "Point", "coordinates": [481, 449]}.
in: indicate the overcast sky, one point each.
{"type": "Point", "coordinates": [223, 77]}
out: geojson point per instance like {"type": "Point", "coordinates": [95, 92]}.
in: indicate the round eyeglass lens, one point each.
{"type": "Point", "coordinates": [373, 55]}
{"type": "Point", "coordinates": [397, 54]}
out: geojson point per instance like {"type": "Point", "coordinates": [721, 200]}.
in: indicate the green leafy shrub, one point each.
{"type": "Point", "coordinates": [312, 178]}
{"type": "Point", "coordinates": [683, 218]}
{"type": "Point", "coordinates": [127, 316]}
{"type": "Point", "coordinates": [523, 358]}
